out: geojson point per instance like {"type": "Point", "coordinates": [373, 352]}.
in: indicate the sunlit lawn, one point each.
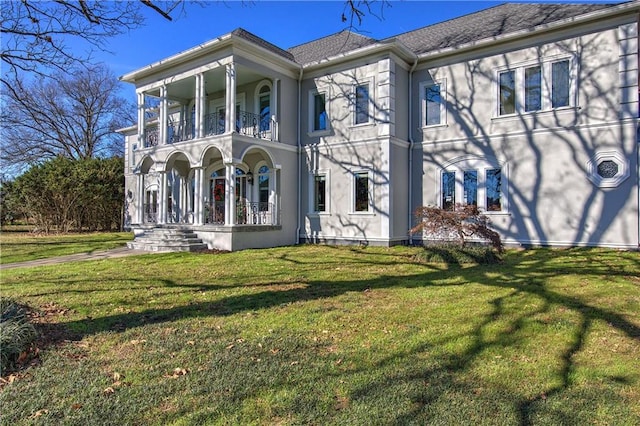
{"type": "Point", "coordinates": [325, 335]}
{"type": "Point", "coordinates": [23, 246]}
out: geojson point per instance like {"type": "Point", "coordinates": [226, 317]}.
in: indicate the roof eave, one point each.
{"type": "Point", "coordinates": [389, 44]}
{"type": "Point", "coordinates": [621, 9]}
{"type": "Point", "coordinates": [228, 39]}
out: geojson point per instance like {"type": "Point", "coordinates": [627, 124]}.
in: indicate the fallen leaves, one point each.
{"type": "Point", "coordinates": [39, 413]}
{"type": "Point", "coordinates": [117, 382]}
{"type": "Point", "coordinates": [177, 372]}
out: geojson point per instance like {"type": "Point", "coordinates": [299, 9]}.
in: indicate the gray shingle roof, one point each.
{"type": "Point", "coordinates": [341, 42]}
{"type": "Point", "coordinates": [241, 32]}
{"type": "Point", "coordinates": [489, 23]}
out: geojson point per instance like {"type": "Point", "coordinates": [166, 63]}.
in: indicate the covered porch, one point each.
{"type": "Point", "coordinates": [207, 192]}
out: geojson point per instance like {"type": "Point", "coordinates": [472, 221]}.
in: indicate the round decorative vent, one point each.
{"type": "Point", "coordinates": [607, 169]}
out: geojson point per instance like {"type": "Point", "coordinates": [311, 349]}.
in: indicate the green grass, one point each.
{"type": "Point", "coordinates": [23, 246]}
{"type": "Point", "coordinates": [325, 335]}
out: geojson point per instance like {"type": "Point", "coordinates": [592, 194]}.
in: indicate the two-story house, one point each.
{"type": "Point", "coordinates": [529, 111]}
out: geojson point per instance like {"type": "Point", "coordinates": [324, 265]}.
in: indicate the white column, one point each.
{"type": "Point", "coordinates": [200, 105]}
{"type": "Point", "coordinates": [276, 196]}
{"type": "Point", "coordinates": [163, 198]}
{"type": "Point", "coordinates": [230, 196]}
{"type": "Point", "coordinates": [141, 119]}
{"type": "Point", "coordinates": [139, 204]}
{"type": "Point", "coordinates": [274, 116]}
{"type": "Point", "coordinates": [163, 116]}
{"type": "Point", "coordinates": [230, 99]}
{"type": "Point", "coordinates": [182, 206]}
{"type": "Point", "coordinates": [198, 199]}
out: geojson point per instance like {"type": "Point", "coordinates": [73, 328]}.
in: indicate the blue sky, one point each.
{"type": "Point", "coordinates": [283, 23]}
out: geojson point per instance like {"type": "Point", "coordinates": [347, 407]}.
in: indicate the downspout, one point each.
{"type": "Point", "coordinates": [299, 155]}
{"type": "Point", "coordinates": [411, 145]}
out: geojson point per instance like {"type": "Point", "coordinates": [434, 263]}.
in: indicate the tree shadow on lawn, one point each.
{"type": "Point", "coordinates": [524, 275]}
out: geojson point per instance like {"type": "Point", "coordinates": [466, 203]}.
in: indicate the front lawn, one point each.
{"type": "Point", "coordinates": [324, 335]}
{"type": "Point", "coordinates": [24, 246]}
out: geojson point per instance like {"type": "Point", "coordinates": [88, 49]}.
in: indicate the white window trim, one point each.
{"type": "Point", "coordinates": [481, 165]}
{"type": "Point", "coordinates": [613, 182]}
{"type": "Point", "coordinates": [369, 211]}
{"type": "Point", "coordinates": [546, 65]}
{"type": "Point", "coordinates": [256, 98]}
{"type": "Point", "coordinates": [255, 190]}
{"type": "Point", "coordinates": [312, 178]}
{"type": "Point", "coordinates": [311, 116]}
{"type": "Point", "coordinates": [370, 103]}
{"type": "Point", "coordinates": [423, 103]}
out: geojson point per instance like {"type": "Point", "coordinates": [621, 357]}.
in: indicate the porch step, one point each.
{"type": "Point", "coordinates": [167, 239]}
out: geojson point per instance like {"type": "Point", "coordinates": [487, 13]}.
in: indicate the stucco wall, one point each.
{"type": "Point", "coordinates": [551, 188]}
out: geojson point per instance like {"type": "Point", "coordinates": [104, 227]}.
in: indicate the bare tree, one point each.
{"type": "Point", "coordinates": [34, 32]}
{"type": "Point", "coordinates": [73, 115]}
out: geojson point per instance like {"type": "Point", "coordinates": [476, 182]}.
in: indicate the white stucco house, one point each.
{"type": "Point", "coordinates": [529, 111]}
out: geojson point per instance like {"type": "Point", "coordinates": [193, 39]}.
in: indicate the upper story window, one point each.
{"type": "Point", "coordinates": [318, 112]}
{"type": "Point", "coordinates": [433, 110]}
{"type": "Point", "coordinates": [264, 107]}
{"type": "Point", "coordinates": [539, 87]}
{"type": "Point", "coordinates": [362, 114]}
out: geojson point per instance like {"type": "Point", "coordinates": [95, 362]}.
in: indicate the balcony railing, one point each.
{"type": "Point", "coordinates": [247, 123]}
{"type": "Point", "coordinates": [151, 136]}
{"type": "Point", "coordinates": [254, 125]}
{"type": "Point", "coordinates": [252, 213]}
{"type": "Point", "coordinates": [180, 130]}
{"type": "Point", "coordinates": [247, 213]}
{"type": "Point", "coordinates": [214, 213]}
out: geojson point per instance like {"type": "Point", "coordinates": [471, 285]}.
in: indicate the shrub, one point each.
{"type": "Point", "coordinates": [16, 333]}
{"type": "Point", "coordinates": [462, 223]}
{"type": "Point", "coordinates": [456, 255]}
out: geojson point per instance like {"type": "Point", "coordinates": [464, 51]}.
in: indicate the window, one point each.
{"type": "Point", "coordinates": [507, 92]}
{"type": "Point", "coordinates": [362, 104]}
{"type": "Point", "coordinates": [264, 108]}
{"type": "Point", "coordinates": [493, 188]}
{"type": "Point", "coordinates": [472, 180]}
{"type": "Point", "coordinates": [608, 169]}
{"type": "Point", "coordinates": [448, 190]}
{"type": "Point", "coordinates": [361, 186]}
{"type": "Point", "coordinates": [535, 88]}
{"type": "Point", "coordinates": [432, 101]}
{"type": "Point", "coordinates": [263, 188]}
{"type": "Point", "coordinates": [560, 84]}
{"type": "Point", "coordinates": [320, 193]}
{"type": "Point", "coordinates": [319, 112]}
{"type": "Point", "coordinates": [470, 186]}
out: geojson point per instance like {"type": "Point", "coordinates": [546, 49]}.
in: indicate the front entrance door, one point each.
{"type": "Point", "coordinates": [151, 207]}
{"type": "Point", "coordinates": [217, 196]}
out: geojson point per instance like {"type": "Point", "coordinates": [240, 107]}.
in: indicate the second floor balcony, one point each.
{"type": "Point", "coordinates": [247, 123]}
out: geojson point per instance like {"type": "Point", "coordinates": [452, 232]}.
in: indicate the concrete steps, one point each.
{"type": "Point", "coordinates": [167, 239]}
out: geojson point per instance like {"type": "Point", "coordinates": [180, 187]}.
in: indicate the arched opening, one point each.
{"type": "Point", "coordinates": [263, 108]}
{"type": "Point", "coordinates": [178, 189]}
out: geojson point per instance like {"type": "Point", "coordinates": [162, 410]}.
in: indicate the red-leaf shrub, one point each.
{"type": "Point", "coordinates": [462, 223]}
